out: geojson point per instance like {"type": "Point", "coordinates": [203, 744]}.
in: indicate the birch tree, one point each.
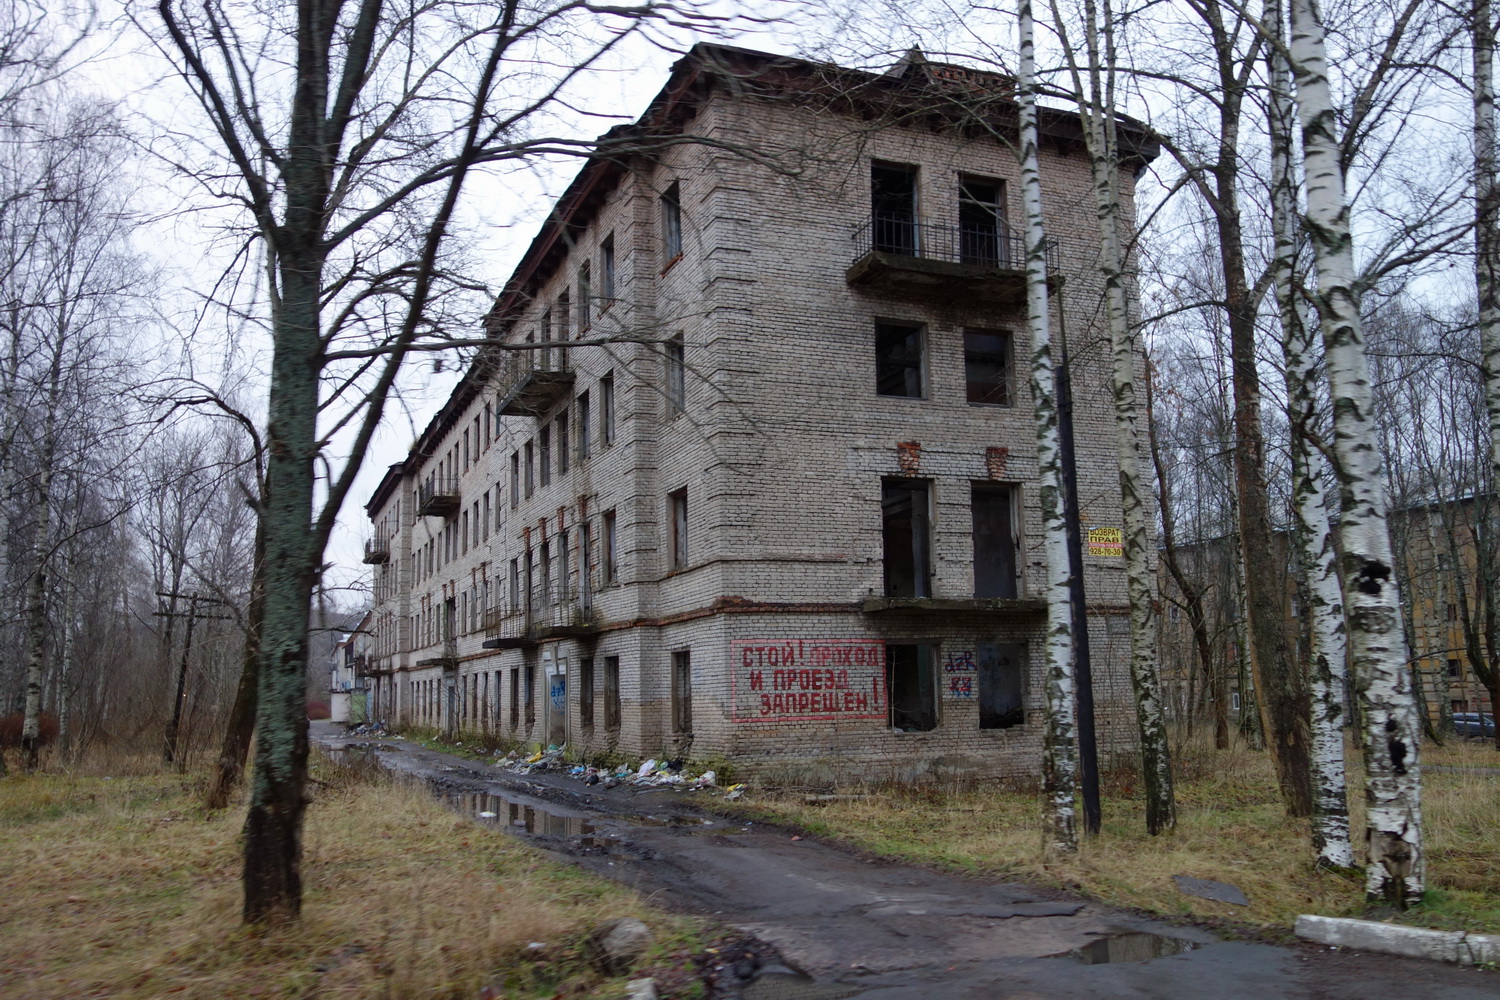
{"type": "Point", "coordinates": [1487, 250]}
{"type": "Point", "coordinates": [1323, 598]}
{"type": "Point", "coordinates": [1096, 108]}
{"type": "Point", "coordinates": [1394, 861]}
{"type": "Point", "coordinates": [1060, 743]}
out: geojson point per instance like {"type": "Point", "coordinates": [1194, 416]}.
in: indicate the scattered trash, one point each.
{"type": "Point", "coordinates": [537, 946]}
{"type": "Point", "coordinates": [733, 792]}
{"type": "Point", "coordinates": [706, 779]}
{"type": "Point", "coordinates": [369, 729]}
{"type": "Point", "coordinates": [646, 768]}
{"type": "Point", "coordinates": [486, 815]}
{"type": "Point", "coordinates": [651, 773]}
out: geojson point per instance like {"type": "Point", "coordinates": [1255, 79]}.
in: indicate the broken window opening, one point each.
{"type": "Point", "coordinates": [612, 693]}
{"type": "Point", "coordinates": [893, 208]}
{"type": "Point", "coordinates": [586, 693]}
{"type": "Point", "coordinates": [1002, 684]}
{"type": "Point", "coordinates": [682, 692]}
{"type": "Point", "coordinates": [996, 544]}
{"type": "Point", "coordinates": [906, 529]}
{"type": "Point", "coordinates": [898, 360]}
{"type": "Point", "coordinates": [912, 686]}
{"type": "Point", "coordinates": [981, 222]}
{"type": "Point", "coordinates": [987, 367]}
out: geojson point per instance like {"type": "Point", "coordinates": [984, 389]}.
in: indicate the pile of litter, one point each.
{"type": "Point", "coordinates": [370, 729]}
{"type": "Point", "coordinates": [650, 774]}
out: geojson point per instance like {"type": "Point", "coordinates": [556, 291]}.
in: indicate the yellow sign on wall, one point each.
{"type": "Point", "coordinates": [1107, 542]}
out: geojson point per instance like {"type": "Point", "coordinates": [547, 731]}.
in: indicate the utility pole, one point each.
{"type": "Point", "coordinates": [169, 739]}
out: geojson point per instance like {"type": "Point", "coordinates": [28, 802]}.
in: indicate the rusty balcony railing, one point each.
{"type": "Point", "coordinates": [976, 246]}
{"type": "Point", "coordinates": [533, 381]}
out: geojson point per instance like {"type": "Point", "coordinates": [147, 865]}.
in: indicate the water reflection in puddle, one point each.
{"type": "Point", "coordinates": [1130, 948]}
{"type": "Point", "coordinates": [498, 811]}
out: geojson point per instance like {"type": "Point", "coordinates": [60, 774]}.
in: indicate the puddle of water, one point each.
{"type": "Point", "coordinates": [1130, 948]}
{"type": "Point", "coordinates": [497, 811]}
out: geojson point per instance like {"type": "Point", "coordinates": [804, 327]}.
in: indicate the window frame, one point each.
{"type": "Point", "coordinates": [677, 520]}
{"type": "Point", "coordinates": [887, 362]}
{"type": "Point", "coordinates": [674, 357]}
{"type": "Point", "coordinates": [671, 225]}
{"type": "Point", "coordinates": [974, 357]}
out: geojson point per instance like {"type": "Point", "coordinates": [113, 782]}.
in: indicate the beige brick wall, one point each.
{"type": "Point", "coordinates": [781, 449]}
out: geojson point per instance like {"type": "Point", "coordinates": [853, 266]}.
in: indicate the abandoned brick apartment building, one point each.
{"type": "Point", "coordinates": [764, 486]}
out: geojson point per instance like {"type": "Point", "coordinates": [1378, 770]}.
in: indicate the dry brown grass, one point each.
{"type": "Point", "coordinates": [122, 887]}
{"type": "Point", "coordinates": [1230, 828]}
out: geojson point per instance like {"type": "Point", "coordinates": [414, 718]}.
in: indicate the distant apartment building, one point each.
{"type": "Point", "coordinates": [759, 479]}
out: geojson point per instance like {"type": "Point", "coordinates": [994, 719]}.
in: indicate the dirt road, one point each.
{"type": "Point", "coordinates": [871, 929]}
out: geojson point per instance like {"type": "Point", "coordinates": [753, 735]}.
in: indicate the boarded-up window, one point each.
{"type": "Point", "coordinates": [912, 686]}
{"type": "Point", "coordinates": [995, 542]}
{"type": "Point", "coordinates": [1002, 684]}
{"type": "Point", "coordinates": [682, 692]}
{"type": "Point", "coordinates": [904, 524]}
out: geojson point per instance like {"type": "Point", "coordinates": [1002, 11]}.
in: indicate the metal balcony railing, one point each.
{"type": "Point", "coordinates": [437, 496]}
{"type": "Point", "coordinates": [978, 246]}
{"type": "Point", "coordinates": [533, 380]}
{"type": "Point", "coordinates": [377, 550]}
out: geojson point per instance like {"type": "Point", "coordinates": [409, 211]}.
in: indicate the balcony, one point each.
{"type": "Point", "coordinates": [534, 381]}
{"type": "Point", "coordinates": [1018, 610]}
{"type": "Point", "coordinates": [566, 619]}
{"type": "Point", "coordinates": [438, 497]}
{"type": "Point", "coordinates": [377, 550]}
{"type": "Point", "coordinates": [447, 658]}
{"type": "Point", "coordinates": [902, 257]}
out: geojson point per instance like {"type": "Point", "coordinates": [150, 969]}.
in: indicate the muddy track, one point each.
{"type": "Point", "coordinates": [856, 926]}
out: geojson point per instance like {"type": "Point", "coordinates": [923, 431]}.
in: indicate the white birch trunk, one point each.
{"type": "Point", "coordinates": [1060, 742]}
{"type": "Point", "coordinates": [1487, 226]}
{"type": "Point", "coordinates": [1324, 598]}
{"type": "Point", "coordinates": [1096, 109]}
{"type": "Point", "coordinates": [1378, 646]}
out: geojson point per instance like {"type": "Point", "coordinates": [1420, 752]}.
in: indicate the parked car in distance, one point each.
{"type": "Point", "coordinates": [1474, 724]}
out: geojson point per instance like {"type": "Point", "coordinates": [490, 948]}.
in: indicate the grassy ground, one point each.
{"type": "Point", "coordinates": [120, 886]}
{"type": "Point", "coordinates": [1230, 828]}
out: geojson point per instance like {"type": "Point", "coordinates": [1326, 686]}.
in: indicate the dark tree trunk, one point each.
{"type": "Point", "coordinates": [241, 727]}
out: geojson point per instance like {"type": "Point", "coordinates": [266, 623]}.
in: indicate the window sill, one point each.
{"type": "Point", "coordinates": [669, 265]}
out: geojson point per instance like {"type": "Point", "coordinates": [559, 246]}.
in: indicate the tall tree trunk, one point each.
{"type": "Point", "coordinates": [241, 725]}
{"type": "Point", "coordinates": [1324, 601]}
{"type": "Point", "coordinates": [1096, 108]}
{"type": "Point", "coordinates": [1059, 746]}
{"type": "Point", "coordinates": [36, 592]}
{"type": "Point", "coordinates": [273, 826]}
{"type": "Point", "coordinates": [1487, 263]}
{"type": "Point", "coordinates": [1395, 868]}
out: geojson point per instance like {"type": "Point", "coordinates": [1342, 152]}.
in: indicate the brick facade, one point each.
{"type": "Point", "coordinates": [743, 377]}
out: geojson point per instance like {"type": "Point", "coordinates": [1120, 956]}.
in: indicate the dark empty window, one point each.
{"type": "Point", "coordinates": [544, 456]}
{"type": "Point", "coordinates": [677, 502]}
{"type": "Point", "coordinates": [898, 359]}
{"type": "Point", "coordinates": [676, 375]}
{"type": "Point", "coordinates": [903, 511]}
{"type": "Point", "coordinates": [585, 427]}
{"type": "Point", "coordinates": [530, 469]}
{"type": "Point", "coordinates": [530, 694]}
{"type": "Point", "coordinates": [586, 692]}
{"type": "Point", "coordinates": [912, 687]}
{"type": "Point", "coordinates": [995, 545]}
{"type": "Point", "coordinates": [893, 208]}
{"type": "Point", "coordinates": [682, 691]}
{"type": "Point", "coordinates": [671, 223]}
{"type": "Point", "coordinates": [981, 222]}
{"type": "Point", "coordinates": [585, 297]}
{"type": "Point", "coordinates": [515, 478]}
{"type": "Point", "coordinates": [515, 697]}
{"type": "Point", "coordinates": [607, 270]}
{"type": "Point", "coordinates": [610, 557]}
{"type": "Point", "coordinates": [1002, 682]}
{"type": "Point", "coordinates": [607, 410]}
{"type": "Point", "coordinates": [563, 442]}
{"type": "Point", "coordinates": [987, 366]}
{"type": "Point", "coordinates": [611, 692]}
{"type": "Point", "coordinates": [1453, 670]}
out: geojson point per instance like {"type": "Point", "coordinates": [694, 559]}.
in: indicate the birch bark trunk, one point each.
{"type": "Point", "coordinates": [1487, 252]}
{"type": "Point", "coordinates": [1060, 742]}
{"type": "Point", "coordinates": [36, 587]}
{"type": "Point", "coordinates": [1327, 652]}
{"type": "Point", "coordinates": [1395, 869]}
{"type": "Point", "coordinates": [1096, 109]}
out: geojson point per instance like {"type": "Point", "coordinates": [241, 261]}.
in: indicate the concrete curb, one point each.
{"type": "Point", "coordinates": [1394, 939]}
